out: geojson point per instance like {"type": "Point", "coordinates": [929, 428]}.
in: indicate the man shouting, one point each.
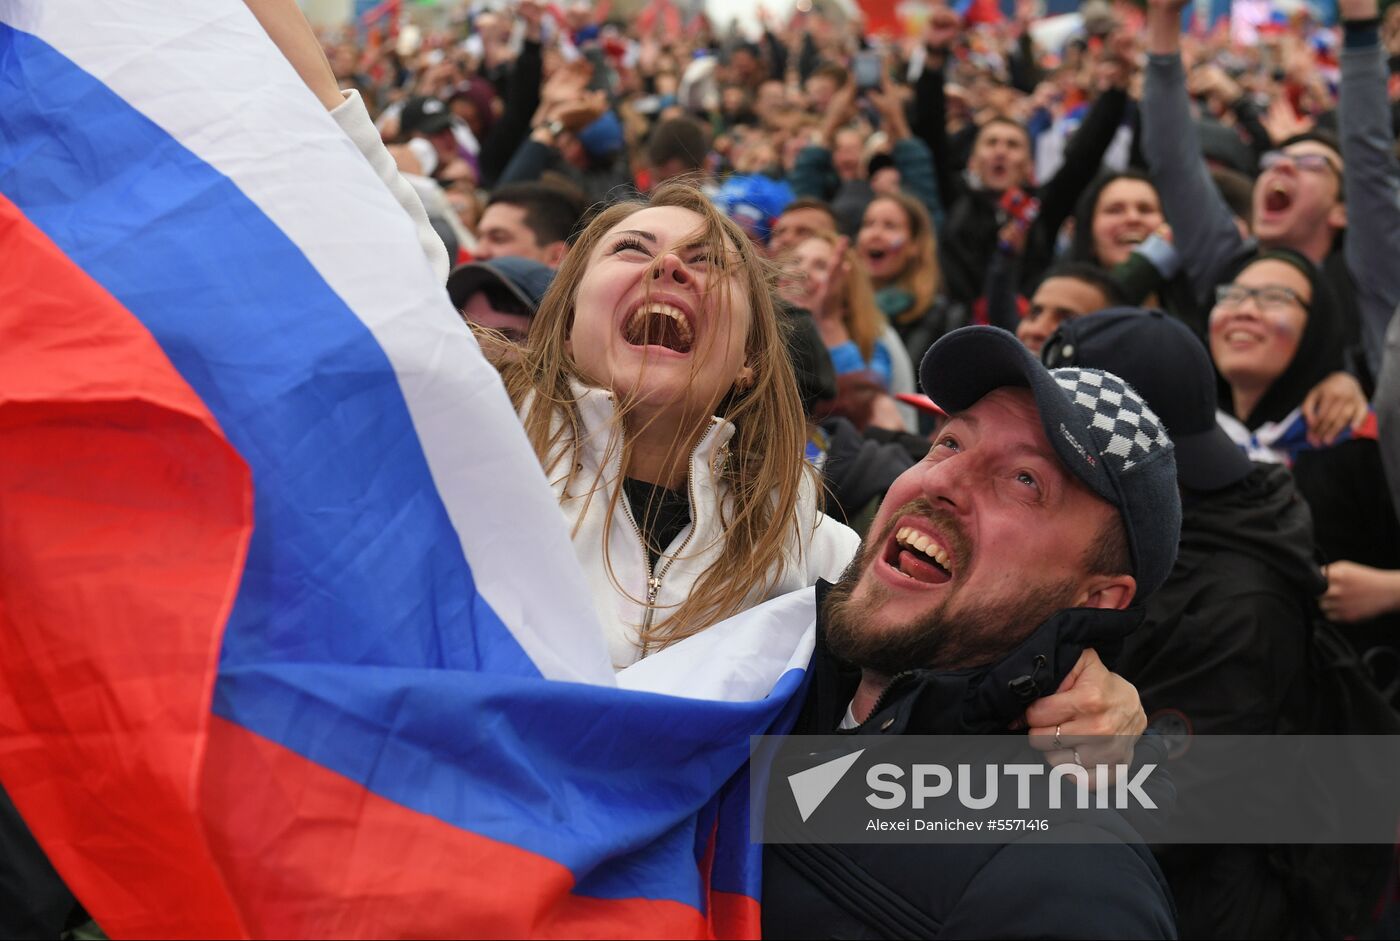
{"type": "Point", "coordinates": [1047, 507]}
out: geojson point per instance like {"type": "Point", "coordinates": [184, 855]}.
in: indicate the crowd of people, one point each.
{"type": "Point", "coordinates": [1232, 205]}
{"type": "Point", "coordinates": [904, 187]}
{"type": "Point", "coordinates": [727, 281]}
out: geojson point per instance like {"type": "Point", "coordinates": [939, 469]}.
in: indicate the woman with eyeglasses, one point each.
{"type": "Point", "coordinates": [1273, 337]}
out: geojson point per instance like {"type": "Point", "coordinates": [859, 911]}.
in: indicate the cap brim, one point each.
{"type": "Point", "coordinates": [433, 123]}
{"type": "Point", "coordinates": [971, 362]}
{"type": "Point", "coordinates": [467, 279]}
{"type": "Point", "coordinates": [1209, 460]}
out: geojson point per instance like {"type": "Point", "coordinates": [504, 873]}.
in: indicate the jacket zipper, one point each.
{"type": "Point", "coordinates": [654, 579]}
{"type": "Point", "coordinates": [889, 688]}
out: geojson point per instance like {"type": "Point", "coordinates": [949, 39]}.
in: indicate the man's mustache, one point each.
{"type": "Point", "coordinates": [944, 523]}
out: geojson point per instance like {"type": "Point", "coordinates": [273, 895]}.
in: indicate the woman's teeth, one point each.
{"type": "Point", "coordinates": [662, 325]}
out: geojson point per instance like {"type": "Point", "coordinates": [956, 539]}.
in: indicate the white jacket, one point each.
{"type": "Point", "coordinates": [823, 549]}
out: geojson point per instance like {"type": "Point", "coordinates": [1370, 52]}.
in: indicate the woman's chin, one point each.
{"type": "Point", "coordinates": [670, 395]}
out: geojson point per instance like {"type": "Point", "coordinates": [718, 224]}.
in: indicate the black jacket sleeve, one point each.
{"type": "Point", "coordinates": [1247, 113]}
{"type": "Point", "coordinates": [1025, 72]}
{"type": "Point", "coordinates": [1003, 274]}
{"type": "Point", "coordinates": [522, 100]}
{"type": "Point", "coordinates": [930, 124]}
{"type": "Point", "coordinates": [777, 56]}
{"type": "Point", "coordinates": [809, 58]}
{"type": "Point", "coordinates": [1083, 155]}
{"type": "Point", "coordinates": [529, 162]}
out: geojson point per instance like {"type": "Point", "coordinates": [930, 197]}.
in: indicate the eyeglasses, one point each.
{"type": "Point", "coordinates": [1308, 163]}
{"type": "Point", "coordinates": [1270, 299]}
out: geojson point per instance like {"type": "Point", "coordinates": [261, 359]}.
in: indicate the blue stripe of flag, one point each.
{"type": "Point", "coordinates": [358, 639]}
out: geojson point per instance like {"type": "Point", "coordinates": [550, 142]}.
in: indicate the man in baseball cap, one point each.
{"type": "Point", "coordinates": [1044, 515]}
{"type": "Point", "coordinates": [502, 293]}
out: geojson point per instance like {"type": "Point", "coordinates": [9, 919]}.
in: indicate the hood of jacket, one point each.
{"type": "Point", "coordinates": [1263, 516]}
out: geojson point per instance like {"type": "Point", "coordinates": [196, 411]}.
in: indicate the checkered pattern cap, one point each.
{"type": "Point", "coordinates": [1102, 431]}
{"type": "Point", "coordinates": [1123, 426]}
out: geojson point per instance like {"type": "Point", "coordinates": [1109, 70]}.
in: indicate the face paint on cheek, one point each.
{"type": "Point", "coordinates": [1284, 330]}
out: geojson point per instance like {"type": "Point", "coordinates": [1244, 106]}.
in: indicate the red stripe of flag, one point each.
{"type": "Point", "coordinates": [311, 853]}
{"type": "Point", "coordinates": [124, 519]}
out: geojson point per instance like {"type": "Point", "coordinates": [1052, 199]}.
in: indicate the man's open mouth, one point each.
{"type": "Point", "coordinates": [1277, 198]}
{"type": "Point", "coordinates": [659, 324]}
{"type": "Point", "coordinates": [916, 556]}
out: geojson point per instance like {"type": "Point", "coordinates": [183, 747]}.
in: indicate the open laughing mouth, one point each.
{"type": "Point", "coordinates": [1278, 198]}
{"type": "Point", "coordinates": [918, 557]}
{"type": "Point", "coordinates": [658, 323]}
{"type": "Point", "coordinates": [1240, 337]}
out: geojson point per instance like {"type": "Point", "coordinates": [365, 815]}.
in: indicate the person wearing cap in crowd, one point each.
{"type": "Point", "coordinates": [502, 294]}
{"type": "Point", "coordinates": [529, 220]}
{"type": "Point", "coordinates": [1045, 516]}
{"type": "Point", "coordinates": [440, 143]}
{"type": "Point", "coordinates": [1225, 645]}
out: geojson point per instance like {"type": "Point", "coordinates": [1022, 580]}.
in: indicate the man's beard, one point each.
{"type": "Point", "coordinates": [981, 632]}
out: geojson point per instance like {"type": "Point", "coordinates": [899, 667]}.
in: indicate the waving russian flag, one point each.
{"type": "Point", "coordinates": [292, 639]}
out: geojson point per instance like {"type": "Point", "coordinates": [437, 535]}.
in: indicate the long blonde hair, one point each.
{"type": "Point", "coordinates": [766, 465]}
{"type": "Point", "coordinates": [921, 276]}
{"type": "Point", "coordinates": [859, 312]}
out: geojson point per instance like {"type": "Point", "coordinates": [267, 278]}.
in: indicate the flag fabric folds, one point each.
{"type": "Point", "coordinates": [292, 639]}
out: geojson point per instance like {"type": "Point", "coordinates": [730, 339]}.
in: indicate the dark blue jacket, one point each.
{"type": "Point", "coordinates": [1110, 888]}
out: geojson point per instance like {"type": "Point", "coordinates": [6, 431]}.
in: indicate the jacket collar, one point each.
{"type": "Point", "coordinates": [982, 700]}
{"type": "Point", "coordinates": [600, 441]}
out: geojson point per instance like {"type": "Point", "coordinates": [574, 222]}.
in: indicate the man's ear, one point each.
{"type": "Point", "coordinates": [1114, 592]}
{"type": "Point", "coordinates": [554, 253]}
{"type": "Point", "coordinates": [1337, 215]}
